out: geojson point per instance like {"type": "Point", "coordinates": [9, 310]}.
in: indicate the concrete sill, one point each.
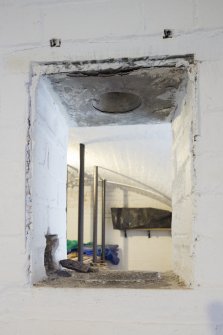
{"type": "Point", "coordinates": [115, 279]}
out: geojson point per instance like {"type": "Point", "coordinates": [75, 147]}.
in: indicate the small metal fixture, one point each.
{"type": "Point", "coordinates": [55, 42]}
{"type": "Point", "coordinates": [117, 102]}
{"type": "Point", "coordinates": [167, 33]}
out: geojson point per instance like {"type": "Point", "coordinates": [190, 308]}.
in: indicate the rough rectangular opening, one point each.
{"type": "Point", "coordinates": [145, 156]}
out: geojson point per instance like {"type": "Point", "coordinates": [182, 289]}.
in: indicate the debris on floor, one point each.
{"type": "Point", "coordinates": [111, 251]}
{"type": "Point", "coordinates": [75, 265]}
{"type": "Point", "coordinates": [105, 278]}
{"type": "Point", "coordinates": [99, 275]}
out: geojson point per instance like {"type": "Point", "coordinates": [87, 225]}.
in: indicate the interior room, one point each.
{"type": "Point", "coordinates": [54, 53]}
{"type": "Point", "coordinates": [127, 132]}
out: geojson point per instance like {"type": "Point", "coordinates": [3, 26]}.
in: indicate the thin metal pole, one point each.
{"type": "Point", "coordinates": [81, 206]}
{"type": "Point", "coordinates": [103, 220]}
{"type": "Point", "coordinates": [95, 214]}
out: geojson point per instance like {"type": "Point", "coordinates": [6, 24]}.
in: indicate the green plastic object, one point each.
{"type": "Point", "coordinates": [73, 244]}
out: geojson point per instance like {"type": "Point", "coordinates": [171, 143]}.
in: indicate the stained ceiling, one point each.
{"type": "Point", "coordinates": [132, 147]}
{"type": "Point", "coordinates": [157, 88]}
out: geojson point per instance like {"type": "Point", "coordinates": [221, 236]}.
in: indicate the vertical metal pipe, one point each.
{"type": "Point", "coordinates": [103, 220]}
{"type": "Point", "coordinates": [95, 214]}
{"type": "Point", "coordinates": [81, 206]}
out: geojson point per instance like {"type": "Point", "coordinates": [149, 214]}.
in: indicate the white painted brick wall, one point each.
{"type": "Point", "coordinates": [50, 135]}
{"type": "Point", "coordinates": [26, 28]}
{"type": "Point", "coordinates": [208, 14]}
{"type": "Point", "coordinates": [209, 164]}
{"type": "Point", "coordinates": [182, 193]}
{"type": "Point", "coordinates": [80, 22]}
{"type": "Point", "coordinates": [24, 39]}
{"type": "Point", "coordinates": [178, 15]}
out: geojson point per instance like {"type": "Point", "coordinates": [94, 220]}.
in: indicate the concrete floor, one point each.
{"type": "Point", "coordinates": [105, 278]}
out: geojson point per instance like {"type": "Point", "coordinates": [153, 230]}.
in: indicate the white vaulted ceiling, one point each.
{"type": "Point", "coordinates": [139, 155]}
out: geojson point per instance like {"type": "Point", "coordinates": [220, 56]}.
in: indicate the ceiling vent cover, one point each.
{"type": "Point", "coordinates": [117, 102]}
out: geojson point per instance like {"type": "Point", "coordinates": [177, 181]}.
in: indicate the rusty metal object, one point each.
{"type": "Point", "coordinates": [141, 218]}
{"type": "Point", "coordinates": [75, 265]}
{"type": "Point", "coordinates": [52, 243]}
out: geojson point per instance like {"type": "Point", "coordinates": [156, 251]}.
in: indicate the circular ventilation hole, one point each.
{"type": "Point", "coordinates": [117, 102]}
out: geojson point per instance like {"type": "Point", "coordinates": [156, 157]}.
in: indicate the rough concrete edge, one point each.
{"type": "Point", "coordinates": [192, 86]}
{"type": "Point", "coordinates": [195, 129]}
{"type": "Point", "coordinates": [121, 64]}
{"type": "Point", "coordinates": [28, 176]}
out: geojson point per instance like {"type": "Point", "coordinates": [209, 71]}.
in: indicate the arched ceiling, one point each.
{"type": "Point", "coordinates": [139, 155]}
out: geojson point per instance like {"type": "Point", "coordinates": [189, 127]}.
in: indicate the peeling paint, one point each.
{"type": "Point", "coordinates": [157, 88]}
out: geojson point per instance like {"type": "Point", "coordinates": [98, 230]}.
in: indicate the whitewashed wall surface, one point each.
{"type": "Point", "coordinates": [96, 30]}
